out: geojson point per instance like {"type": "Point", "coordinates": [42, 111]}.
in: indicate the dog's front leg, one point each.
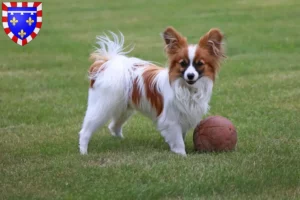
{"type": "Point", "coordinates": [173, 136]}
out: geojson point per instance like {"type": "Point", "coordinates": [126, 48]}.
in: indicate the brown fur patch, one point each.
{"type": "Point", "coordinates": [210, 64]}
{"type": "Point", "coordinates": [94, 68]}
{"type": "Point", "coordinates": [153, 96]}
{"type": "Point", "coordinates": [177, 49]}
{"type": "Point", "coordinates": [175, 69]}
{"type": "Point", "coordinates": [211, 51]}
{"type": "Point", "coordinates": [136, 95]}
{"type": "Point", "coordinates": [174, 41]}
{"type": "Point", "coordinates": [212, 42]}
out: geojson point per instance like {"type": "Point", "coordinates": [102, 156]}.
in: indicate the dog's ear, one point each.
{"type": "Point", "coordinates": [212, 41]}
{"type": "Point", "coordinates": [173, 40]}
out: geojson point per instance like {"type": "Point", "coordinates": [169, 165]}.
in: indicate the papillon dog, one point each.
{"type": "Point", "coordinates": [175, 97]}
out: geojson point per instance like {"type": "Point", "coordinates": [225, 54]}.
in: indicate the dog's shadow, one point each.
{"type": "Point", "coordinates": [152, 141]}
{"type": "Point", "coordinates": [108, 143]}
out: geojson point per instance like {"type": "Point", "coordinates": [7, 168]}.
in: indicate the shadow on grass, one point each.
{"type": "Point", "coordinates": [147, 143]}
{"type": "Point", "coordinates": [108, 143]}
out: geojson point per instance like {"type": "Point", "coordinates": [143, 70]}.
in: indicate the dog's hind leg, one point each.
{"type": "Point", "coordinates": [101, 108]}
{"type": "Point", "coordinates": [94, 118]}
{"type": "Point", "coordinates": [117, 122]}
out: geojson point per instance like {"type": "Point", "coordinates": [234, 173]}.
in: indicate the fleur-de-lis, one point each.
{"type": "Point", "coordinates": [29, 21]}
{"type": "Point", "coordinates": [14, 21]}
{"type": "Point", "coordinates": [22, 33]}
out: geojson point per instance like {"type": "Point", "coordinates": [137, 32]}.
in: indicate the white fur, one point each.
{"type": "Point", "coordinates": [192, 52]}
{"type": "Point", "coordinates": [110, 97]}
{"type": "Point", "coordinates": [191, 69]}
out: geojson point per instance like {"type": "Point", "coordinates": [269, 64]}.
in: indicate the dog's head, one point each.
{"type": "Point", "coordinates": [192, 62]}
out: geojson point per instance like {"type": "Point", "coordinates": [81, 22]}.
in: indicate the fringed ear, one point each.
{"type": "Point", "coordinates": [212, 41]}
{"type": "Point", "coordinates": [173, 40]}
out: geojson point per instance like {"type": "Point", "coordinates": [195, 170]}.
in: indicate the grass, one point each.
{"type": "Point", "coordinates": [43, 93]}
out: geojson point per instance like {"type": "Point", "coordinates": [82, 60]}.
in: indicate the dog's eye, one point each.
{"type": "Point", "coordinates": [198, 63]}
{"type": "Point", "coordinates": [183, 63]}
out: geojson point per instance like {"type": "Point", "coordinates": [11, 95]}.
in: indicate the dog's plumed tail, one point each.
{"type": "Point", "coordinates": [111, 74]}
{"type": "Point", "coordinates": [111, 70]}
{"type": "Point", "coordinates": [109, 48]}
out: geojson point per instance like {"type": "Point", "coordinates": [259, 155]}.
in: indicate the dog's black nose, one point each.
{"type": "Point", "coordinates": [190, 76]}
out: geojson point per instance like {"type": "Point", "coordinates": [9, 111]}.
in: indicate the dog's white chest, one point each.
{"type": "Point", "coordinates": [192, 102]}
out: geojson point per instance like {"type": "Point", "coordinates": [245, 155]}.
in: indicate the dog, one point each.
{"type": "Point", "coordinates": [175, 97]}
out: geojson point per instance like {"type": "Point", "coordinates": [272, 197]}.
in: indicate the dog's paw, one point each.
{"type": "Point", "coordinates": [83, 151]}
{"type": "Point", "coordinates": [179, 151]}
{"type": "Point", "coordinates": [116, 132]}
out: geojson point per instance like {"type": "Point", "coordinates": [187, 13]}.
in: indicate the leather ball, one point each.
{"type": "Point", "coordinates": [215, 133]}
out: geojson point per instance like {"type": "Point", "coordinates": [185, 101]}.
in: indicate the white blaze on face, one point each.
{"type": "Point", "coordinates": [190, 73]}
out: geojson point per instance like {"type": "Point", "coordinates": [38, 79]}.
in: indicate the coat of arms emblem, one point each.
{"type": "Point", "coordinates": [22, 21]}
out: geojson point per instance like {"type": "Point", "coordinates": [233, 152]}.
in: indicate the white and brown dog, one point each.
{"type": "Point", "coordinates": [175, 98]}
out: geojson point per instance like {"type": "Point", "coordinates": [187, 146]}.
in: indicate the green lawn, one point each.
{"type": "Point", "coordinates": [43, 97]}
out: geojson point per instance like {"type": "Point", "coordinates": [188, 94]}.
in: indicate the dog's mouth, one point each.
{"type": "Point", "coordinates": [191, 82]}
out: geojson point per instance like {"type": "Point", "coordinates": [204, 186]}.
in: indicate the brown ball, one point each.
{"type": "Point", "coordinates": [215, 133]}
